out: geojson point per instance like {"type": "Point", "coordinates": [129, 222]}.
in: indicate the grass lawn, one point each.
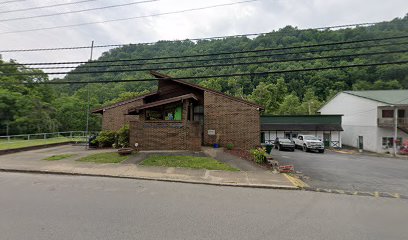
{"type": "Point", "coordinates": [13, 144]}
{"type": "Point", "coordinates": [59, 157]}
{"type": "Point", "coordinates": [187, 162]}
{"type": "Point", "coordinates": [109, 157]}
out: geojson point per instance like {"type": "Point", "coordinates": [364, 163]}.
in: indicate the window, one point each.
{"type": "Point", "coordinates": [401, 113]}
{"type": "Point", "coordinates": [310, 137]}
{"type": "Point", "coordinates": [290, 135]}
{"type": "Point", "coordinates": [171, 112]}
{"type": "Point", "coordinates": [388, 142]}
{"type": "Point", "coordinates": [387, 113]}
{"type": "Point", "coordinates": [262, 137]}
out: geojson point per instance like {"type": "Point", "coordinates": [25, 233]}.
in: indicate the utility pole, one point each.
{"type": "Point", "coordinates": [88, 106]}
{"type": "Point", "coordinates": [395, 130]}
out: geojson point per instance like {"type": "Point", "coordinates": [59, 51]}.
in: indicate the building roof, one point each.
{"type": "Point", "coordinates": [301, 123]}
{"type": "Point", "coordinates": [302, 119]}
{"type": "Point", "coordinates": [300, 127]}
{"type": "Point", "coordinates": [163, 102]}
{"type": "Point", "coordinates": [392, 97]}
{"type": "Point", "coordinates": [163, 76]}
{"type": "Point", "coordinates": [100, 110]}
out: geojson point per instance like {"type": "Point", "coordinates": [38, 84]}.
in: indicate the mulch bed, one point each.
{"type": "Point", "coordinates": [245, 154]}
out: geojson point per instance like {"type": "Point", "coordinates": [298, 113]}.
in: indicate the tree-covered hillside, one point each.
{"type": "Point", "coordinates": [63, 107]}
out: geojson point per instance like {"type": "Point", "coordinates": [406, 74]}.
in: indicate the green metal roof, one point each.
{"type": "Point", "coordinates": [301, 119]}
{"type": "Point", "coordinates": [393, 97]}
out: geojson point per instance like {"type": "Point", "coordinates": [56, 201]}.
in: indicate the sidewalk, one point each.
{"type": "Point", "coordinates": [19, 162]}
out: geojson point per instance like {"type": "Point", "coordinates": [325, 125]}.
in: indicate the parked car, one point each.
{"type": "Point", "coordinates": [284, 144]}
{"type": "Point", "coordinates": [309, 143]}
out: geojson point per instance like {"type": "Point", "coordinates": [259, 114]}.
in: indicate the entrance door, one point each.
{"type": "Point", "coordinates": [327, 139]}
{"type": "Point", "coordinates": [360, 142]}
{"type": "Point", "coordinates": [198, 115]}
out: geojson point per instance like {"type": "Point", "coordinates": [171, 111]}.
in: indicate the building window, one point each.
{"type": "Point", "coordinates": [290, 135]}
{"type": "Point", "coordinates": [401, 113]}
{"type": "Point", "coordinates": [262, 137]}
{"type": "Point", "coordinates": [387, 113]}
{"type": "Point", "coordinates": [387, 142]}
{"type": "Point", "coordinates": [171, 112]}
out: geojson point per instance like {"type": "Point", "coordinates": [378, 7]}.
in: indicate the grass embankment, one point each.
{"type": "Point", "coordinates": [187, 162]}
{"type": "Point", "coordinates": [109, 157]}
{"type": "Point", "coordinates": [14, 144]}
{"type": "Point", "coordinates": [59, 157]}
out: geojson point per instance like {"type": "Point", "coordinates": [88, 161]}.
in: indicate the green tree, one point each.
{"type": "Point", "coordinates": [290, 105]}
{"type": "Point", "coordinates": [310, 103]}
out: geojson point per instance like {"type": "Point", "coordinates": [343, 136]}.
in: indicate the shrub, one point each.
{"type": "Point", "coordinates": [230, 146]}
{"type": "Point", "coordinates": [106, 138]}
{"type": "Point", "coordinates": [123, 136]}
{"type": "Point", "coordinates": [259, 155]}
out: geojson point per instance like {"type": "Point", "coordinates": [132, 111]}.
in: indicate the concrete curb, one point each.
{"type": "Point", "coordinates": [22, 149]}
{"type": "Point", "coordinates": [153, 179]}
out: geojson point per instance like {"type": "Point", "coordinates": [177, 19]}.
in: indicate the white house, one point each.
{"type": "Point", "coordinates": [368, 117]}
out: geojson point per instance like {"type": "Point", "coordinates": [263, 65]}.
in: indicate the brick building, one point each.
{"type": "Point", "coordinates": [185, 116]}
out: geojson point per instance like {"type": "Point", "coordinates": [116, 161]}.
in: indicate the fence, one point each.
{"type": "Point", "coordinates": [73, 135]}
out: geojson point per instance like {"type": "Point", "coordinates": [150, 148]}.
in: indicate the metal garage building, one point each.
{"type": "Point", "coordinates": [326, 127]}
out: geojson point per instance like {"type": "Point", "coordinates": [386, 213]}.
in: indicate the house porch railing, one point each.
{"type": "Point", "coordinates": [389, 122]}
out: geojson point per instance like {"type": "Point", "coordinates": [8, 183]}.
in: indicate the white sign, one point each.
{"type": "Point", "coordinates": [211, 132]}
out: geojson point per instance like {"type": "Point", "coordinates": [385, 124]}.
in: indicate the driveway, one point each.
{"type": "Point", "coordinates": [39, 154]}
{"type": "Point", "coordinates": [333, 170]}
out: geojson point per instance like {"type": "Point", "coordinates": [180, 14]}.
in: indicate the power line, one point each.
{"type": "Point", "coordinates": [76, 11]}
{"type": "Point", "coordinates": [214, 76]}
{"type": "Point", "coordinates": [219, 53]}
{"type": "Point", "coordinates": [12, 1]}
{"type": "Point", "coordinates": [47, 6]}
{"type": "Point", "coordinates": [190, 39]}
{"type": "Point", "coordinates": [212, 65]}
{"type": "Point", "coordinates": [227, 58]}
{"type": "Point", "coordinates": [129, 18]}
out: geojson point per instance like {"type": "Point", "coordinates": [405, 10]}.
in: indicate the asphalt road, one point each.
{"type": "Point", "coordinates": [349, 172]}
{"type": "Point", "coordinates": [73, 207]}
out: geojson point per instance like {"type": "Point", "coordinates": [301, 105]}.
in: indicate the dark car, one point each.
{"type": "Point", "coordinates": [284, 144]}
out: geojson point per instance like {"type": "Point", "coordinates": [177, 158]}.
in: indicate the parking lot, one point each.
{"type": "Point", "coordinates": [352, 172]}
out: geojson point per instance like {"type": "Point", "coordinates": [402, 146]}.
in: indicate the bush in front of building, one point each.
{"type": "Point", "coordinates": [105, 138]}
{"type": "Point", "coordinates": [259, 155]}
{"type": "Point", "coordinates": [230, 146]}
{"type": "Point", "coordinates": [115, 139]}
{"type": "Point", "coordinates": [123, 137]}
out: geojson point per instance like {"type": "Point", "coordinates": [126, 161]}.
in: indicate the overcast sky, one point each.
{"type": "Point", "coordinates": [259, 16]}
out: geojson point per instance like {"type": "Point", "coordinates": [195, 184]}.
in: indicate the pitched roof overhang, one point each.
{"type": "Point", "coordinates": [102, 109]}
{"type": "Point", "coordinates": [164, 76]}
{"type": "Point", "coordinates": [163, 102]}
{"type": "Point", "coordinates": [300, 127]}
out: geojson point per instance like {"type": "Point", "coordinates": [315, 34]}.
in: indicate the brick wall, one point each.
{"type": "Point", "coordinates": [115, 118]}
{"type": "Point", "coordinates": [235, 122]}
{"type": "Point", "coordinates": [166, 135]}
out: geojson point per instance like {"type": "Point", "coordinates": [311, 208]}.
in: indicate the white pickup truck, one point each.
{"type": "Point", "coordinates": [309, 143]}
